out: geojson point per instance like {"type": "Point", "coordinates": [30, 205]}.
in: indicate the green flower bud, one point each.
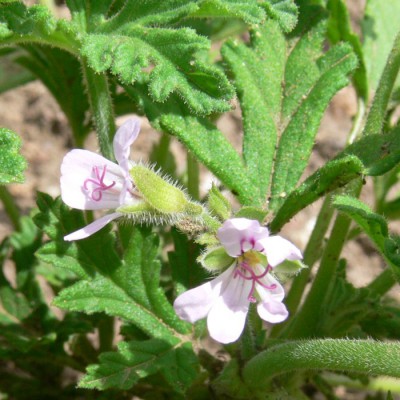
{"type": "Point", "coordinates": [160, 194]}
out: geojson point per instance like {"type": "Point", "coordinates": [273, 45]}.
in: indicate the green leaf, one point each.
{"type": "Point", "coordinates": [127, 288]}
{"type": "Point", "coordinates": [12, 163]}
{"type": "Point", "coordinates": [378, 152]}
{"type": "Point", "coordinates": [212, 149]}
{"type": "Point", "coordinates": [284, 85]}
{"type": "Point", "coordinates": [201, 137]}
{"type": "Point", "coordinates": [331, 176]}
{"type": "Point", "coordinates": [22, 24]}
{"type": "Point", "coordinates": [136, 360]}
{"type": "Point", "coordinates": [283, 11]}
{"type": "Point", "coordinates": [375, 226]}
{"type": "Point", "coordinates": [339, 29]}
{"type": "Point", "coordinates": [249, 11]}
{"type": "Point", "coordinates": [133, 48]}
{"type": "Point", "coordinates": [252, 213]}
{"type": "Point", "coordinates": [379, 28]}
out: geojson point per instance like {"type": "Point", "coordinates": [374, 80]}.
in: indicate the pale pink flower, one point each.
{"type": "Point", "coordinates": [91, 182]}
{"type": "Point", "coordinates": [225, 300]}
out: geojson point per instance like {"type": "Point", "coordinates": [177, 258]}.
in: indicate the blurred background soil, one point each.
{"type": "Point", "coordinates": [32, 112]}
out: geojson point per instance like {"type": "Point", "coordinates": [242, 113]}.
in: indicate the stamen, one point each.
{"type": "Point", "coordinates": [244, 268]}
{"type": "Point", "coordinates": [96, 193]}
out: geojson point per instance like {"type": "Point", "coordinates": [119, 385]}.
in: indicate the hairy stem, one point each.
{"type": "Point", "coordinates": [193, 176]}
{"type": "Point", "coordinates": [102, 109]}
{"type": "Point", "coordinates": [306, 321]}
{"type": "Point", "coordinates": [359, 356]}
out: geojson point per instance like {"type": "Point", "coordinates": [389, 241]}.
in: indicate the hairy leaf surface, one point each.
{"type": "Point", "coordinates": [136, 360]}
{"type": "Point", "coordinates": [284, 85]}
{"type": "Point", "coordinates": [127, 287]}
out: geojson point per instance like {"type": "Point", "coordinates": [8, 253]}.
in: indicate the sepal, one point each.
{"type": "Point", "coordinates": [215, 259]}
{"type": "Point", "coordinates": [288, 269]}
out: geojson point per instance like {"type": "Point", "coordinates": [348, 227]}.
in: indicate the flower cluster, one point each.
{"type": "Point", "coordinates": [91, 182]}
{"type": "Point", "coordinates": [225, 300]}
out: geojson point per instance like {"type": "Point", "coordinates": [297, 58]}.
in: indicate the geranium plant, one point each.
{"type": "Point", "coordinates": [167, 292]}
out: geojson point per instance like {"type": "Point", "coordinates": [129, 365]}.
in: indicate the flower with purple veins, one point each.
{"type": "Point", "coordinates": [225, 300]}
{"type": "Point", "coordinates": [91, 182]}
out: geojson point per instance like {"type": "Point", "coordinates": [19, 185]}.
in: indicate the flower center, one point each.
{"type": "Point", "coordinates": [98, 183]}
{"type": "Point", "coordinates": [245, 270]}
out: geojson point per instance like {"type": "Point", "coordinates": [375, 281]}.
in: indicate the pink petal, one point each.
{"type": "Point", "coordinates": [239, 235]}
{"type": "Point", "coordinates": [272, 311]}
{"type": "Point", "coordinates": [76, 168]}
{"type": "Point", "coordinates": [227, 316]}
{"type": "Point", "coordinates": [123, 139]}
{"type": "Point", "coordinates": [275, 294]}
{"type": "Point", "coordinates": [278, 249]}
{"type": "Point", "coordinates": [195, 304]}
{"type": "Point", "coordinates": [91, 228]}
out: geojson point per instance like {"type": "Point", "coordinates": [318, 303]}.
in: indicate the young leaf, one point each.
{"type": "Point", "coordinates": [136, 360]}
{"type": "Point", "coordinates": [12, 163]}
{"type": "Point", "coordinates": [127, 288]}
{"type": "Point", "coordinates": [284, 85]}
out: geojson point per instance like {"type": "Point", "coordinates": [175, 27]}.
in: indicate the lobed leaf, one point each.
{"type": "Point", "coordinates": [285, 12]}
{"type": "Point", "coordinates": [250, 12]}
{"type": "Point", "coordinates": [127, 288]}
{"type": "Point", "coordinates": [136, 360]}
{"type": "Point", "coordinates": [284, 85]}
{"type": "Point", "coordinates": [22, 24]}
{"type": "Point", "coordinates": [12, 163]}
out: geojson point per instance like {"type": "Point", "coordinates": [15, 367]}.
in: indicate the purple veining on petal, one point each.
{"type": "Point", "coordinates": [96, 193]}
{"type": "Point", "coordinates": [244, 267]}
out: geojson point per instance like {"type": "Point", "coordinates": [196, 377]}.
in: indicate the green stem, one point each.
{"type": "Point", "coordinates": [359, 356]}
{"type": "Point", "coordinates": [102, 109]}
{"type": "Point", "coordinates": [10, 207]}
{"type": "Point", "coordinates": [382, 283]}
{"type": "Point", "coordinates": [311, 255]}
{"type": "Point", "coordinates": [306, 321]}
{"type": "Point", "coordinates": [193, 176]}
{"type": "Point", "coordinates": [357, 124]}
